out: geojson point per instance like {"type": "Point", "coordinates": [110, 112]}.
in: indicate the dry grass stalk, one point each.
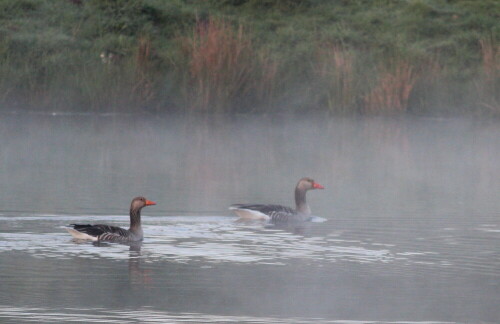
{"type": "Point", "coordinates": [336, 69]}
{"type": "Point", "coordinates": [487, 86]}
{"type": "Point", "coordinates": [393, 89]}
{"type": "Point", "coordinates": [491, 57]}
{"type": "Point", "coordinates": [269, 71]}
{"type": "Point", "coordinates": [142, 89]}
{"type": "Point", "coordinates": [220, 63]}
{"type": "Point", "coordinates": [225, 67]}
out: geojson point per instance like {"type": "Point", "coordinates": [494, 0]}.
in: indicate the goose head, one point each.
{"type": "Point", "coordinates": [139, 202]}
{"type": "Point", "coordinates": [305, 184]}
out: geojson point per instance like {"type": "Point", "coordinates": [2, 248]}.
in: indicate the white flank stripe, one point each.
{"type": "Point", "coordinates": [250, 214]}
{"type": "Point", "coordinates": [80, 235]}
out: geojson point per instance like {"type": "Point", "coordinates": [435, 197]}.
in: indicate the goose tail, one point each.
{"type": "Point", "coordinates": [247, 213]}
{"type": "Point", "coordinates": [80, 236]}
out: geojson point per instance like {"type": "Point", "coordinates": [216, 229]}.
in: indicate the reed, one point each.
{"type": "Point", "coordinates": [334, 69]}
{"type": "Point", "coordinates": [225, 68]}
{"type": "Point", "coordinates": [219, 64]}
{"type": "Point", "coordinates": [144, 80]}
{"type": "Point", "coordinates": [392, 89]}
{"type": "Point", "coordinates": [489, 81]}
{"type": "Point", "coordinates": [490, 57]}
{"type": "Point", "coordinates": [267, 83]}
{"type": "Point", "coordinates": [253, 57]}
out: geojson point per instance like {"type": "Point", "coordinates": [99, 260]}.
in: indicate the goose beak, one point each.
{"type": "Point", "coordinates": [317, 186]}
{"type": "Point", "coordinates": [149, 202]}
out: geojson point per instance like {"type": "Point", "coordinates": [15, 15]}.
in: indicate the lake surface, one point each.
{"type": "Point", "coordinates": [406, 231]}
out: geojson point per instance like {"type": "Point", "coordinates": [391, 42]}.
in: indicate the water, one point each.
{"type": "Point", "coordinates": [406, 230]}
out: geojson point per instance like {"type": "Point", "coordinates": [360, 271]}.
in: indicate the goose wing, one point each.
{"type": "Point", "coordinates": [100, 229]}
{"type": "Point", "coordinates": [115, 238]}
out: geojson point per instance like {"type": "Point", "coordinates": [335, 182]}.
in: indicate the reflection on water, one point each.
{"type": "Point", "coordinates": [150, 316]}
{"type": "Point", "coordinates": [406, 231]}
{"type": "Point", "coordinates": [215, 239]}
{"type": "Point", "coordinates": [183, 239]}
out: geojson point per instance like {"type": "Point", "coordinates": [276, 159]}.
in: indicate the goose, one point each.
{"type": "Point", "coordinates": [107, 233]}
{"type": "Point", "coordinates": [277, 213]}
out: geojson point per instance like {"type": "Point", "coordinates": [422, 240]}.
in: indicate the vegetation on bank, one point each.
{"type": "Point", "coordinates": [343, 56]}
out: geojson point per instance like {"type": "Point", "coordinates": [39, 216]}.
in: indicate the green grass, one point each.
{"type": "Point", "coordinates": [340, 56]}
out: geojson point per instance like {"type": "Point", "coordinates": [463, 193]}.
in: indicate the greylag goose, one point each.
{"type": "Point", "coordinates": [107, 233]}
{"type": "Point", "coordinates": [277, 213]}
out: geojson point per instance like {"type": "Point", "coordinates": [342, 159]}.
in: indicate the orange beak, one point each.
{"type": "Point", "coordinates": [149, 202]}
{"type": "Point", "coordinates": [317, 186]}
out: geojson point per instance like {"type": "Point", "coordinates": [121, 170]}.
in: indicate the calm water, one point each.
{"type": "Point", "coordinates": [407, 229]}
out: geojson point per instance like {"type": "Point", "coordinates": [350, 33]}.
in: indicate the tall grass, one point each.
{"type": "Point", "coordinates": [488, 85]}
{"type": "Point", "coordinates": [143, 88]}
{"type": "Point", "coordinates": [246, 55]}
{"type": "Point", "coordinates": [225, 68]}
{"type": "Point", "coordinates": [392, 89]}
{"type": "Point", "coordinates": [335, 70]}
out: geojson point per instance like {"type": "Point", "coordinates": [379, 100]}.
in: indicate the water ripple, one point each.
{"type": "Point", "coordinates": [211, 239]}
{"type": "Point", "coordinates": [146, 315]}
{"type": "Point", "coordinates": [216, 239]}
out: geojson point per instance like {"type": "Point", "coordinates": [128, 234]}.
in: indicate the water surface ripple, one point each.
{"type": "Point", "coordinates": [406, 230]}
{"type": "Point", "coordinates": [214, 239]}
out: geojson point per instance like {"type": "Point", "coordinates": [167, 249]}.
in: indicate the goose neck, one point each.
{"type": "Point", "coordinates": [300, 201]}
{"type": "Point", "coordinates": [135, 220]}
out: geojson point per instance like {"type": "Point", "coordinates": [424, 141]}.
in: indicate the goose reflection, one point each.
{"type": "Point", "coordinates": [296, 227]}
{"type": "Point", "coordinates": [138, 276]}
{"type": "Point", "coordinates": [301, 228]}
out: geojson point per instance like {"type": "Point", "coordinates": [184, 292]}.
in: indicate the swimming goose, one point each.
{"type": "Point", "coordinates": [107, 233]}
{"type": "Point", "coordinates": [277, 213]}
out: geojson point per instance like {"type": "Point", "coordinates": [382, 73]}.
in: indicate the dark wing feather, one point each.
{"type": "Point", "coordinates": [281, 216]}
{"type": "Point", "coordinates": [114, 238]}
{"type": "Point", "coordinates": [100, 229]}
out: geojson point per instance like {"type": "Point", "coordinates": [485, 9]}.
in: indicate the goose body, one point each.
{"type": "Point", "coordinates": [278, 213]}
{"type": "Point", "coordinates": [107, 233]}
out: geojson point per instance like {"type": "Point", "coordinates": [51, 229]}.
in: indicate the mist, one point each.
{"type": "Point", "coordinates": [409, 216]}
{"type": "Point", "coordinates": [391, 106]}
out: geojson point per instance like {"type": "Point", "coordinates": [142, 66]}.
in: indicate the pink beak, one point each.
{"type": "Point", "coordinates": [149, 202]}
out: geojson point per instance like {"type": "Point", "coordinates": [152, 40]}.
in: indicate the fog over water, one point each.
{"type": "Point", "coordinates": [406, 230]}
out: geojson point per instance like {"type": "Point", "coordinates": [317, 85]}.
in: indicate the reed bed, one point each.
{"type": "Point", "coordinates": [225, 68]}
{"type": "Point", "coordinates": [488, 84]}
{"type": "Point", "coordinates": [335, 70]}
{"type": "Point", "coordinates": [392, 89]}
{"type": "Point", "coordinates": [242, 56]}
